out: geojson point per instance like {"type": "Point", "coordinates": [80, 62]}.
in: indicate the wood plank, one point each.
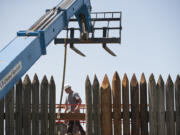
{"type": "Point", "coordinates": [9, 110]}
{"type": "Point", "coordinates": [35, 105]}
{"type": "Point", "coordinates": [96, 106]}
{"type": "Point", "coordinates": [27, 105]}
{"type": "Point", "coordinates": [106, 107]}
{"type": "Point", "coordinates": [72, 116]}
{"type": "Point", "coordinates": [116, 90]}
{"type": "Point", "coordinates": [52, 106]}
{"type": "Point", "coordinates": [125, 97]}
{"type": "Point", "coordinates": [19, 106]}
{"type": "Point", "coordinates": [161, 106]}
{"type": "Point", "coordinates": [177, 89]}
{"type": "Point", "coordinates": [143, 105]}
{"type": "Point", "coordinates": [88, 95]}
{"type": "Point", "coordinates": [44, 106]}
{"type": "Point", "coordinates": [152, 105]}
{"type": "Point", "coordinates": [135, 105]}
{"type": "Point", "coordinates": [2, 116]}
{"type": "Point", "coordinates": [170, 107]}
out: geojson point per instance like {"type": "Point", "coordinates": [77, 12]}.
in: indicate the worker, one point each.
{"type": "Point", "coordinates": [72, 105]}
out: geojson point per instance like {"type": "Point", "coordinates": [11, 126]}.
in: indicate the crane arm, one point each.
{"type": "Point", "coordinates": [28, 46]}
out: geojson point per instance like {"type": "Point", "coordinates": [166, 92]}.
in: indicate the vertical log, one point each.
{"type": "Point", "coordinates": [52, 106]}
{"type": "Point", "coordinates": [44, 106]}
{"type": "Point", "coordinates": [27, 106]}
{"type": "Point", "coordinates": [9, 111]}
{"type": "Point", "coordinates": [106, 107]}
{"type": "Point", "coordinates": [19, 107]}
{"type": "Point", "coordinates": [152, 105]}
{"type": "Point", "coordinates": [135, 105]}
{"type": "Point", "coordinates": [35, 106]}
{"type": "Point", "coordinates": [88, 93]}
{"type": "Point", "coordinates": [96, 106]}
{"type": "Point", "coordinates": [161, 106]}
{"type": "Point", "coordinates": [116, 103]}
{"type": "Point", "coordinates": [2, 116]}
{"type": "Point", "coordinates": [143, 107]}
{"type": "Point", "coordinates": [125, 93]}
{"type": "Point", "coordinates": [177, 88]}
{"type": "Point", "coordinates": [170, 107]}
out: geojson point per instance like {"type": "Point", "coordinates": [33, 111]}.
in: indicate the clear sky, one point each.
{"type": "Point", "coordinates": [150, 41]}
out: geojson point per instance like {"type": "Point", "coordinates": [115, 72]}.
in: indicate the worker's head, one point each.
{"type": "Point", "coordinates": [67, 89]}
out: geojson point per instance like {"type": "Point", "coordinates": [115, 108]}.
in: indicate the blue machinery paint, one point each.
{"type": "Point", "coordinates": [21, 53]}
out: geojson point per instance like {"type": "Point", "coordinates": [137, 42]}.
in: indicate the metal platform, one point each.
{"type": "Point", "coordinates": [104, 34]}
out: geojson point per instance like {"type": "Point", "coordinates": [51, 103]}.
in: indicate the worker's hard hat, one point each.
{"type": "Point", "coordinates": [67, 86]}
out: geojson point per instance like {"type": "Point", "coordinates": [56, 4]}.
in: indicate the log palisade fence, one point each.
{"type": "Point", "coordinates": [135, 108]}
{"type": "Point", "coordinates": [141, 109]}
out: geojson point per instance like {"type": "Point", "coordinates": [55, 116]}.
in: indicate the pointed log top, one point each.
{"type": "Point", "coordinates": [178, 79]}
{"type": "Point", "coordinates": [125, 79]}
{"type": "Point", "coordinates": [45, 81]}
{"type": "Point", "coordinates": [95, 80]}
{"type": "Point", "coordinates": [151, 78]}
{"type": "Point", "coordinates": [143, 79]}
{"type": "Point", "coordinates": [19, 82]}
{"type": "Point", "coordinates": [105, 83]}
{"type": "Point", "coordinates": [169, 81]}
{"type": "Point", "coordinates": [88, 81]}
{"type": "Point", "coordinates": [35, 79]}
{"type": "Point", "coordinates": [134, 80]}
{"type": "Point", "coordinates": [27, 80]}
{"type": "Point", "coordinates": [52, 80]}
{"type": "Point", "coordinates": [116, 76]}
{"type": "Point", "coordinates": [160, 81]}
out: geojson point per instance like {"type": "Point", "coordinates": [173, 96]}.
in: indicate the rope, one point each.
{"type": "Point", "coordinates": [64, 71]}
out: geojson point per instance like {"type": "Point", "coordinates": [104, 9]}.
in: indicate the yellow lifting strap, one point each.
{"type": "Point", "coordinates": [63, 80]}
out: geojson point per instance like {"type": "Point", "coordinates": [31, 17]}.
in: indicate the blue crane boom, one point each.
{"type": "Point", "coordinates": [27, 47]}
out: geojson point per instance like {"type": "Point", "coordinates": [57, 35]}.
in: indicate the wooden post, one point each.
{"type": "Point", "coordinates": [143, 105]}
{"type": "Point", "coordinates": [27, 106]}
{"type": "Point", "coordinates": [125, 93]}
{"type": "Point", "coordinates": [152, 105]}
{"type": "Point", "coordinates": [96, 106]}
{"type": "Point", "coordinates": [106, 107]}
{"type": "Point", "coordinates": [52, 107]}
{"type": "Point", "coordinates": [35, 106]}
{"type": "Point", "coordinates": [170, 107]}
{"type": "Point", "coordinates": [116, 103]}
{"type": "Point", "coordinates": [88, 93]}
{"type": "Point", "coordinates": [9, 111]}
{"type": "Point", "coordinates": [2, 116]}
{"type": "Point", "coordinates": [135, 105]}
{"type": "Point", "coordinates": [19, 104]}
{"type": "Point", "coordinates": [161, 106]}
{"type": "Point", "coordinates": [177, 89]}
{"type": "Point", "coordinates": [44, 106]}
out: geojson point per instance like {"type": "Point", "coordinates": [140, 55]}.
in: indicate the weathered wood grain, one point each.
{"type": "Point", "coordinates": [125, 98]}
{"type": "Point", "coordinates": [170, 107]}
{"type": "Point", "coordinates": [35, 105]}
{"type": "Point", "coordinates": [19, 111]}
{"type": "Point", "coordinates": [27, 106]}
{"type": "Point", "coordinates": [177, 89]}
{"type": "Point", "coordinates": [116, 89]}
{"type": "Point", "coordinates": [88, 93]}
{"type": "Point", "coordinates": [161, 106]}
{"type": "Point", "coordinates": [44, 106]}
{"type": "Point", "coordinates": [52, 107]}
{"type": "Point", "coordinates": [135, 105]}
{"type": "Point", "coordinates": [143, 105]}
{"type": "Point", "coordinates": [106, 107]}
{"type": "Point", "coordinates": [152, 105]}
{"type": "Point", "coordinates": [96, 106]}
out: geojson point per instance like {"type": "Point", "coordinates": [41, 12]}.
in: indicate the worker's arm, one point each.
{"type": "Point", "coordinates": [78, 105]}
{"type": "Point", "coordinates": [65, 109]}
